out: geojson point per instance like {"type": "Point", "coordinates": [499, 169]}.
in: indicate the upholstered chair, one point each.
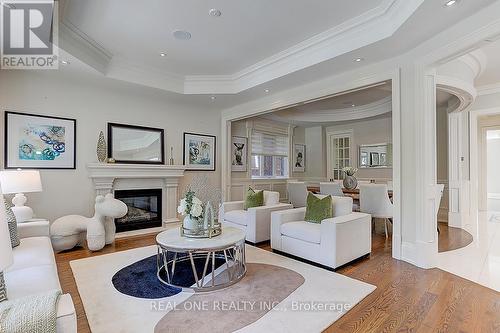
{"type": "Point", "coordinates": [331, 188]}
{"type": "Point", "coordinates": [332, 243]}
{"type": "Point", "coordinates": [374, 200]}
{"type": "Point", "coordinates": [256, 222]}
{"type": "Point", "coordinates": [297, 194]}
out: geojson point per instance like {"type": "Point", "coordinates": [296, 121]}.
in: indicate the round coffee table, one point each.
{"type": "Point", "coordinates": [228, 247]}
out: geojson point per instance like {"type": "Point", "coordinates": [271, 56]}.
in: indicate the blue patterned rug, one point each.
{"type": "Point", "coordinates": [140, 280]}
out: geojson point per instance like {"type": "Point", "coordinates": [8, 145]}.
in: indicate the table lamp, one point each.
{"type": "Point", "coordinates": [6, 257]}
{"type": "Point", "coordinates": [20, 182]}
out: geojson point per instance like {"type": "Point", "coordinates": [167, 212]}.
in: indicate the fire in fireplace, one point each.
{"type": "Point", "coordinates": [144, 209]}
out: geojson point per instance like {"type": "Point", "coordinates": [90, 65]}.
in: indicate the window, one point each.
{"type": "Point", "coordinates": [269, 155]}
{"type": "Point", "coordinates": [341, 146]}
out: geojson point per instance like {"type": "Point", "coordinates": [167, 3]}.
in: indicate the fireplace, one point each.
{"type": "Point", "coordinates": [144, 209]}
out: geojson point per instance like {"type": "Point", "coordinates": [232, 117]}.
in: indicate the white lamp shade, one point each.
{"type": "Point", "coordinates": [6, 257]}
{"type": "Point", "coordinates": [20, 181]}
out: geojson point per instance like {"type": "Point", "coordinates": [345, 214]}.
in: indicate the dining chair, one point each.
{"type": "Point", "coordinates": [297, 194]}
{"type": "Point", "coordinates": [331, 188]}
{"type": "Point", "coordinates": [390, 185]}
{"type": "Point", "coordinates": [374, 200]}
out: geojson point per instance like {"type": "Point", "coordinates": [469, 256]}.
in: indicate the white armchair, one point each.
{"type": "Point", "coordinates": [256, 222]}
{"type": "Point", "coordinates": [333, 242]}
{"type": "Point", "coordinates": [297, 194]}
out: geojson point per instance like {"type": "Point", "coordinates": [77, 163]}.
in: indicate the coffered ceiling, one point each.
{"type": "Point", "coordinates": [252, 47]}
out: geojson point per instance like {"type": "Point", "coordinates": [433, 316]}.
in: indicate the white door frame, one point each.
{"type": "Point", "coordinates": [330, 152]}
{"type": "Point", "coordinates": [478, 195]}
{"type": "Point", "coordinates": [318, 90]}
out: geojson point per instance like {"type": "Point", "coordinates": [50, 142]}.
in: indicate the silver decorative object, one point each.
{"type": "Point", "coordinates": [350, 182]}
{"type": "Point", "coordinates": [210, 226]}
{"type": "Point", "coordinates": [101, 148]}
{"type": "Point", "coordinates": [171, 161]}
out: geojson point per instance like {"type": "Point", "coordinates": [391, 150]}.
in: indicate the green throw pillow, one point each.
{"type": "Point", "coordinates": [254, 199]}
{"type": "Point", "coordinates": [318, 209]}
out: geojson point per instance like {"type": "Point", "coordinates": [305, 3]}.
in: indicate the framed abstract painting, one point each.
{"type": "Point", "coordinates": [39, 142]}
{"type": "Point", "coordinates": [199, 152]}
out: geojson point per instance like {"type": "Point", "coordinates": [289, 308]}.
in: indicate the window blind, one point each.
{"type": "Point", "coordinates": [269, 144]}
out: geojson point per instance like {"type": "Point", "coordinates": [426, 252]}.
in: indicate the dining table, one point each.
{"type": "Point", "coordinates": [353, 193]}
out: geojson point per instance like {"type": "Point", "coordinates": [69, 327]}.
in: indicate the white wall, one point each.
{"type": "Point", "coordinates": [493, 175]}
{"type": "Point", "coordinates": [442, 159]}
{"type": "Point", "coordinates": [368, 131]}
{"type": "Point", "coordinates": [315, 153]}
{"type": "Point", "coordinates": [94, 102]}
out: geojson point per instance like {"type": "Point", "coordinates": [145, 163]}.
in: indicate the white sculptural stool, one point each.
{"type": "Point", "coordinates": [69, 231]}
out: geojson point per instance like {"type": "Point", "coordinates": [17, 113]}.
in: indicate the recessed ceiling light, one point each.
{"type": "Point", "coordinates": [214, 12]}
{"type": "Point", "coordinates": [266, 90]}
{"type": "Point", "coordinates": [359, 59]}
{"type": "Point", "coordinates": [163, 54]}
{"type": "Point", "coordinates": [64, 62]}
{"type": "Point", "coordinates": [213, 98]}
{"type": "Point", "coordinates": [182, 35]}
{"type": "Point", "coordinates": [450, 3]}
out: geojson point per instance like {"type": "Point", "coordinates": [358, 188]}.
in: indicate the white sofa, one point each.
{"type": "Point", "coordinates": [256, 222]}
{"type": "Point", "coordinates": [333, 242]}
{"type": "Point", "coordinates": [35, 271]}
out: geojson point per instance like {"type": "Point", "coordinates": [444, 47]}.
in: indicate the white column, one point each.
{"type": "Point", "coordinates": [418, 166]}
{"type": "Point", "coordinates": [171, 200]}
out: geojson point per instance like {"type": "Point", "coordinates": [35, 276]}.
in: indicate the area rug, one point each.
{"type": "Point", "coordinates": [278, 294]}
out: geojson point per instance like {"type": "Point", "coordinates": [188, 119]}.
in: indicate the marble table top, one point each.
{"type": "Point", "coordinates": [173, 240]}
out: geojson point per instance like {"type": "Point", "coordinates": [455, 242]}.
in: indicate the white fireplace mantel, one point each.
{"type": "Point", "coordinates": [110, 177]}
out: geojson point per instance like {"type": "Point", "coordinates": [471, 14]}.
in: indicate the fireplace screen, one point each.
{"type": "Point", "coordinates": [144, 209]}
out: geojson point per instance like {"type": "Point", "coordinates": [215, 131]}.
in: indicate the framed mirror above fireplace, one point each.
{"type": "Point", "coordinates": [144, 209]}
{"type": "Point", "coordinates": [136, 144]}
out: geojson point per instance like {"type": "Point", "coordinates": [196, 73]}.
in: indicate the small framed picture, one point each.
{"type": "Point", "coordinates": [39, 142]}
{"type": "Point", "coordinates": [239, 154]}
{"type": "Point", "coordinates": [299, 158]}
{"type": "Point", "coordinates": [383, 159]}
{"type": "Point", "coordinates": [374, 159]}
{"type": "Point", "coordinates": [199, 152]}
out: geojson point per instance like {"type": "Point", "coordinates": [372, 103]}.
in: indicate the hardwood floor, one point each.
{"type": "Point", "coordinates": [452, 238]}
{"type": "Point", "coordinates": [407, 298]}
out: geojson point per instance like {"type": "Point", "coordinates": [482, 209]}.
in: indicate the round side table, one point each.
{"type": "Point", "coordinates": [229, 247]}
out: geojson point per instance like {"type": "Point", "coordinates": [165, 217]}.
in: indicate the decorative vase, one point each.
{"type": "Point", "coordinates": [191, 223]}
{"type": "Point", "coordinates": [350, 182]}
{"type": "Point", "coordinates": [101, 148]}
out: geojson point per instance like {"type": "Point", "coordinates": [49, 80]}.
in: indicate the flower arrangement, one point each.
{"type": "Point", "coordinates": [191, 206]}
{"type": "Point", "coordinates": [350, 171]}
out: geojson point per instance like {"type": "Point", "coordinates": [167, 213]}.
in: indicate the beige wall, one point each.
{"type": "Point", "coordinates": [94, 101]}
{"type": "Point", "coordinates": [368, 131]}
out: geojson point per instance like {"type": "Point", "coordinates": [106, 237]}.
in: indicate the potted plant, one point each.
{"type": "Point", "coordinates": [192, 209]}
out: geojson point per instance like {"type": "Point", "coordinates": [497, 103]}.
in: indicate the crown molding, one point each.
{"type": "Point", "coordinates": [372, 26]}
{"type": "Point", "coordinates": [374, 109]}
{"type": "Point", "coordinates": [489, 89]}
{"type": "Point", "coordinates": [464, 91]}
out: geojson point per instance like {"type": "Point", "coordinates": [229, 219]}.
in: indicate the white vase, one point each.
{"type": "Point", "coordinates": [190, 223]}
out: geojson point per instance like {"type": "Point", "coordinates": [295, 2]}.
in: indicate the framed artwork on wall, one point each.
{"type": "Point", "coordinates": [39, 142]}
{"type": "Point", "coordinates": [136, 144]}
{"type": "Point", "coordinates": [239, 154]}
{"type": "Point", "coordinates": [199, 152]}
{"type": "Point", "coordinates": [299, 158]}
{"type": "Point", "coordinates": [374, 158]}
